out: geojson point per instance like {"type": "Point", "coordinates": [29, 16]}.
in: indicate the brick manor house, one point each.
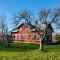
{"type": "Point", "coordinates": [25, 33]}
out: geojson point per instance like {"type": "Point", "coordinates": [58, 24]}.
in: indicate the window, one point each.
{"type": "Point", "coordinates": [34, 37]}
{"type": "Point", "coordinates": [13, 37]}
{"type": "Point", "coordinates": [26, 29]}
{"type": "Point", "coordinates": [18, 37]}
{"type": "Point", "coordinates": [27, 37]}
{"type": "Point", "coordinates": [22, 37]}
{"type": "Point", "coordinates": [20, 29]}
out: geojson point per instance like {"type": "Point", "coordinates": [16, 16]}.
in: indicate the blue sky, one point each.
{"type": "Point", "coordinates": [10, 7]}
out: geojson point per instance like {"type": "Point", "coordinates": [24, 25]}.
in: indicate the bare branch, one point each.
{"type": "Point", "coordinates": [56, 15]}
{"type": "Point", "coordinates": [43, 15]}
{"type": "Point", "coordinates": [25, 14]}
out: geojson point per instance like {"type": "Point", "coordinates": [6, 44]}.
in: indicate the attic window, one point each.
{"type": "Point", "coordinates": [20, 29]}
{"type": "Point", "coordinates": [26, 29]}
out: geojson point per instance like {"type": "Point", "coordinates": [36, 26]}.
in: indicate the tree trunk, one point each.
{"type": "Point", "coordinates": [41, 45]}
{"type": "Point", "coordinates": [8, 40]}
{"type": "Point", "coordinates": [41, 41]}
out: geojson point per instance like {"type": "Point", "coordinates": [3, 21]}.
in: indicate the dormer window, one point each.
{"type": "Point", "coordinates": [20, 29]}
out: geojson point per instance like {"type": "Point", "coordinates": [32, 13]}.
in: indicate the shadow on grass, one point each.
{"type": "Point", "coordinates": [28, 47]}
{"type": "Point", "coordinates": [19, 47]}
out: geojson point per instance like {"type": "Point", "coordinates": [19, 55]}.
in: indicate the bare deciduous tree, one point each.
{"type": "Point", "coordinates": [3, 29]}
{"type": "Point", "coordinates": [28, 16]}
{"type": "Point", "coordinates": [46, 17]}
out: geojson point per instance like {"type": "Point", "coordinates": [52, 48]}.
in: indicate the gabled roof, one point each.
{"type": "Point", "coordinates": [21, 25]}
{"type": "Point", "coordinates": [32, 29]}
{"type": "Point", "coordinates": [15, 29]}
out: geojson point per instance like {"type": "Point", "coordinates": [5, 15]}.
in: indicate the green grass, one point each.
{"type": "Point", "coordinates": [25, 51]}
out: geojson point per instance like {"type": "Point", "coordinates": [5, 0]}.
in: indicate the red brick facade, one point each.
{"type": "Point", "coordinates": [25, 34]}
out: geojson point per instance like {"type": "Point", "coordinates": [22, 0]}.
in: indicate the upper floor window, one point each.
{"type": "Point", "coordinates": [26, 29]}
{"type": "Point", "coordinates": [20, 29]}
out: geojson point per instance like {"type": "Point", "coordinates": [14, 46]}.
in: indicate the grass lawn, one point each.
{"type": "Point", "coordinates": [25, 51]}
